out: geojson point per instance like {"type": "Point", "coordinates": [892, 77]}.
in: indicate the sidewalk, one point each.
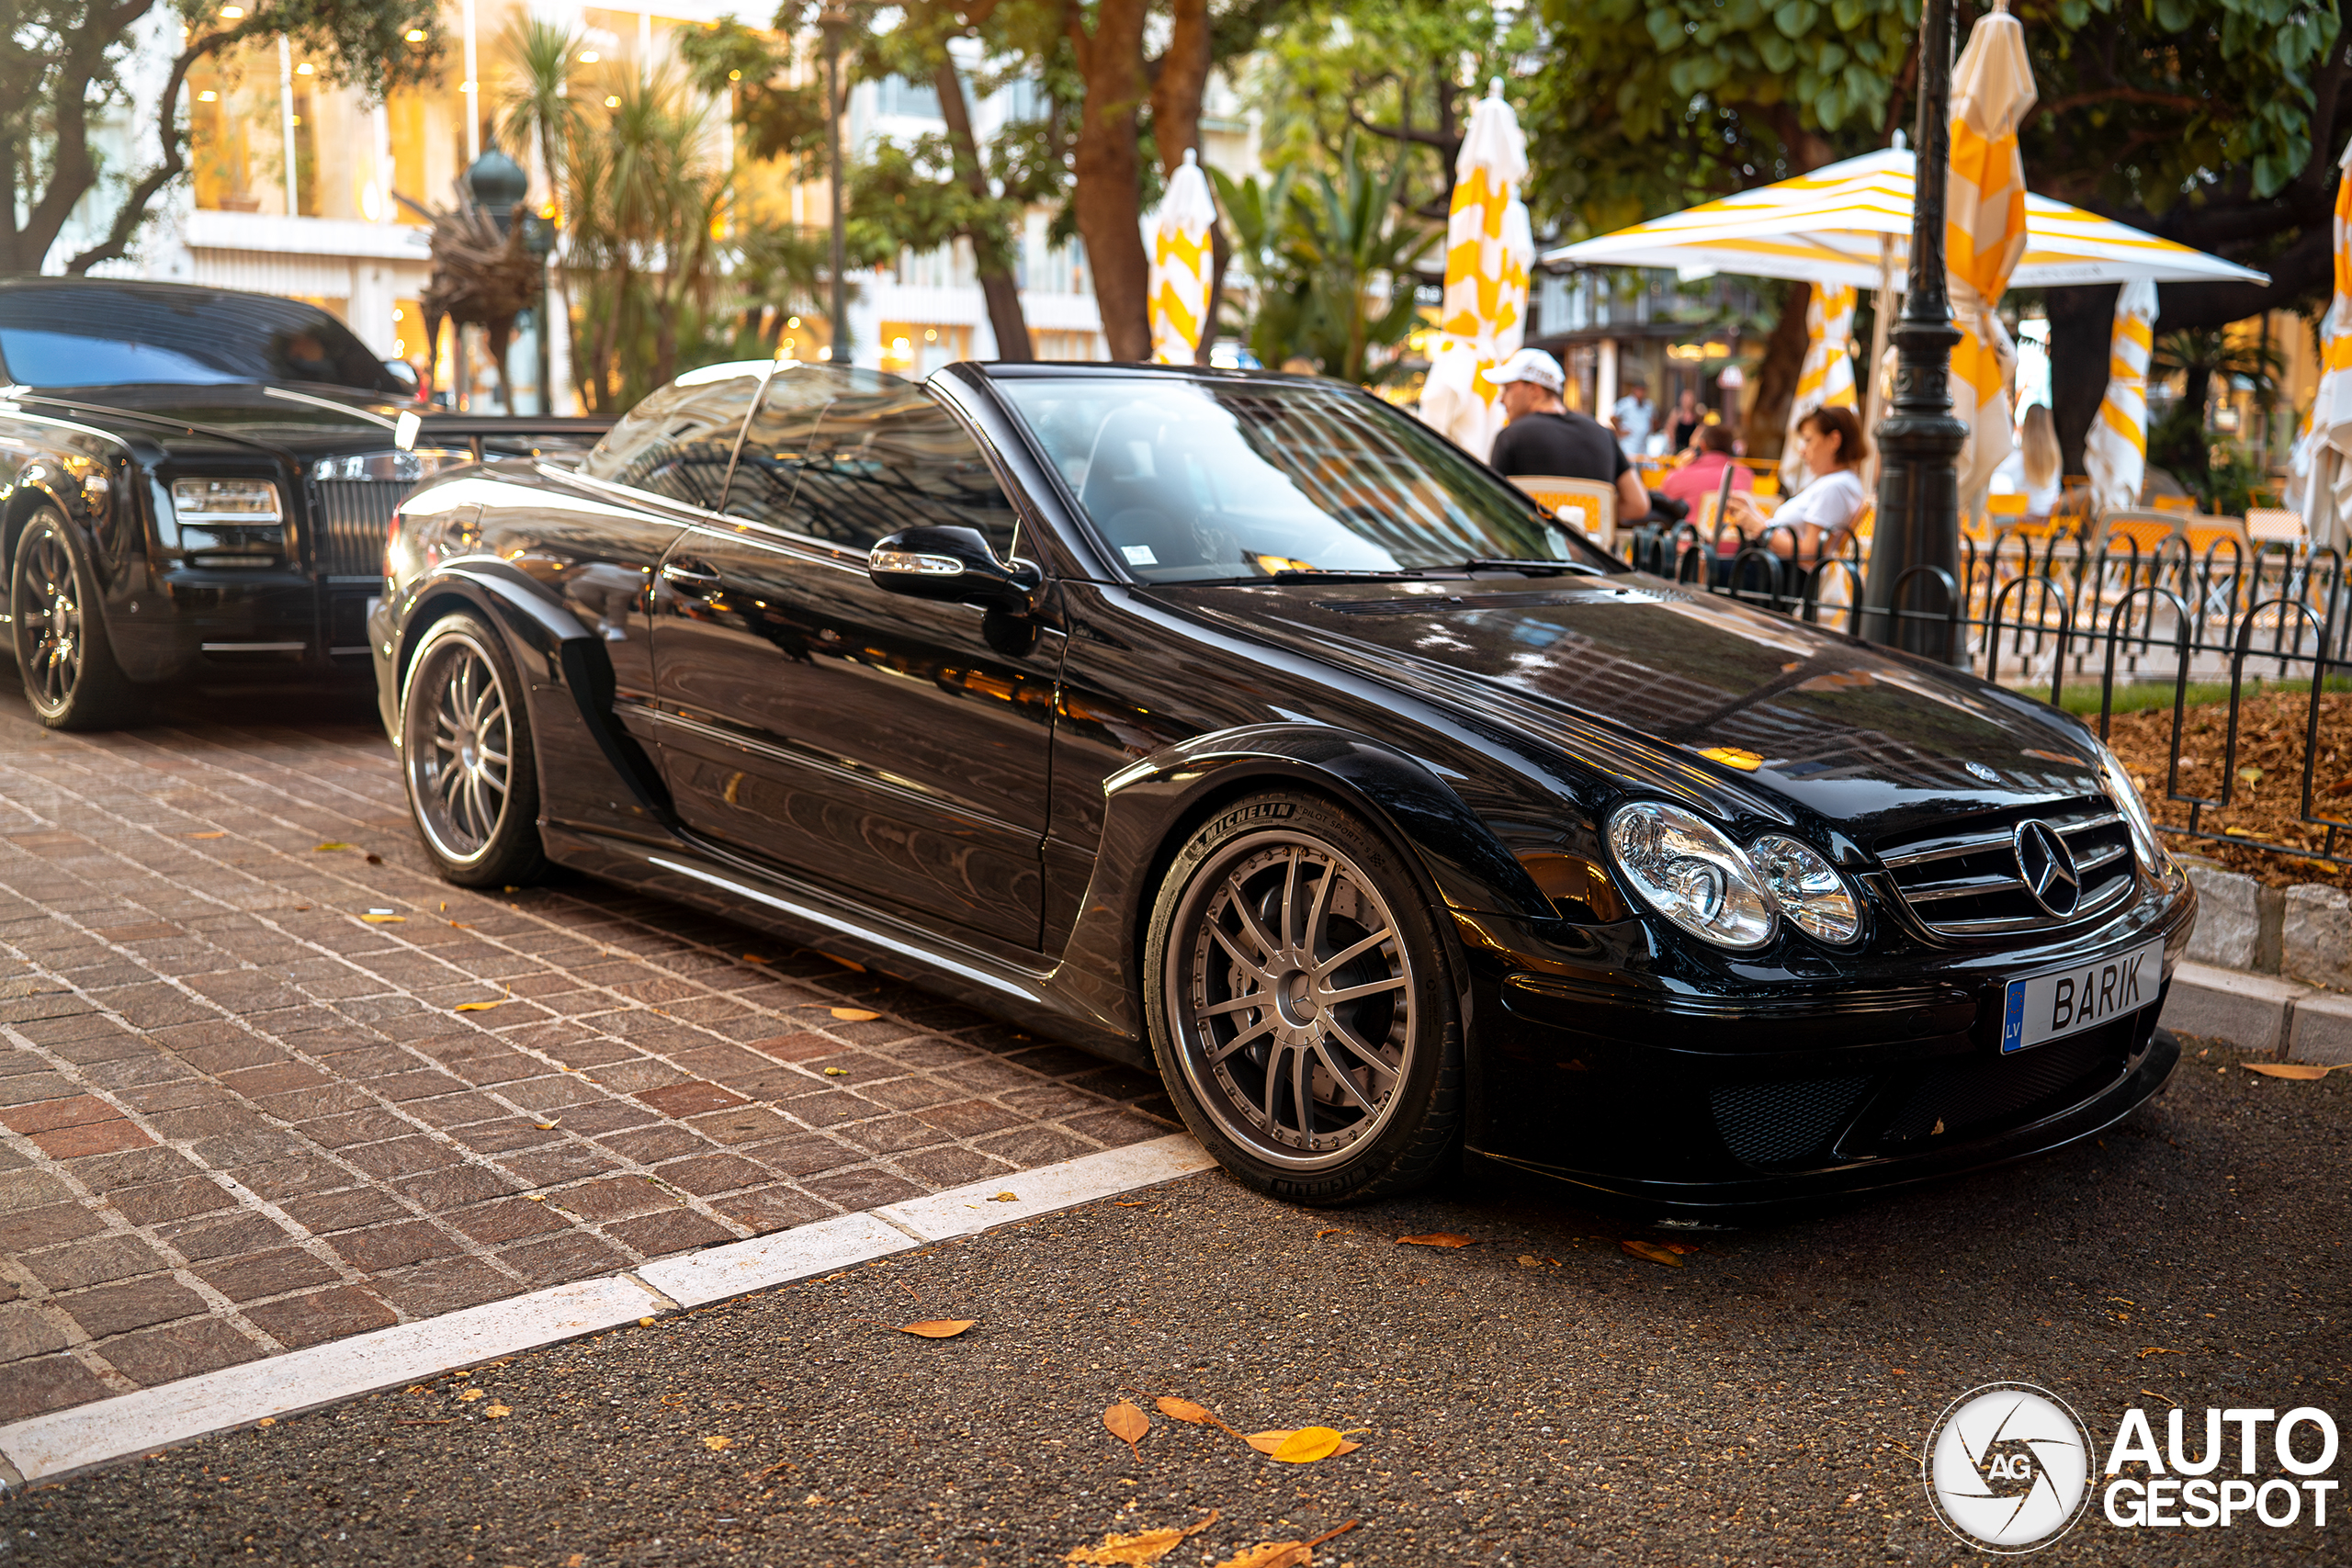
{"type": "Point", "coordinates": [238, 1117]}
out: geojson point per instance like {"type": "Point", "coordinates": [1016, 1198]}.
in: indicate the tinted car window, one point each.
{"type": "Point", "coordinates": [678, 441]}
{"type": "Point", "coordinates": [97, 336]}
{"type": "Point", "coordinates": [775, 442]}
{"type": "Point", "coordinates": [1192, 481]}
{"type": "Point", "coordinates": [875, 461]}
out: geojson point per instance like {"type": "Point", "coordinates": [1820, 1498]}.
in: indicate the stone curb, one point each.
{"type": "Point", "coordinates": [64, 1442]}
{"type": "Point", "coordinates": [2301, 933]}
{"type": "Point", "coordinates": [2259, 1014]}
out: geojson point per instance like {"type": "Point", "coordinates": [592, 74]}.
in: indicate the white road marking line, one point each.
{"type": "Point", "coordinates": [45, 1448]}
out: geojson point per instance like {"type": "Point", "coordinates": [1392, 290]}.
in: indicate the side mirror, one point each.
{"type": "Point", "coordinates": [400, 370]}
{"type": "Point", "coordinates": [952, 564]}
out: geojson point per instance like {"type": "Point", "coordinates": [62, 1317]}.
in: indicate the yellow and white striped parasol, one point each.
{"type": "Point", "coordinates": [1827, 226]}
{"type": "Point", "coordinates": [1489, 247]}
{"type": "Point", "coordinates": [1182, 261]}
{"type": "Point", "coordinates": [2115, 451]}
{"type": "Point", "coordinates": [2322, 459]}
{"type": "Point", "coordinates": [1984, 236]}
{"type": "Point", "coordinates": [1827, 378]}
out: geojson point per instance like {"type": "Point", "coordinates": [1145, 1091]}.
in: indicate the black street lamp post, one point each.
{"type": "Point", "coordinates": [834, 19]}
{"type": "Point", "coordinates": [1919, 441]}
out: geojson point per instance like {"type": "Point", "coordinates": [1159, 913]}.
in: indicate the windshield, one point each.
{"type": "Point", "coordinates": [94, 335]}
{"type": "Point", "coordinates": [1197, 482]}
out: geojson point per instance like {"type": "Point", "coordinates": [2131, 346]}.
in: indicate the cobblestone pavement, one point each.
{"type": "Point", "coordinates": [238, 1116]}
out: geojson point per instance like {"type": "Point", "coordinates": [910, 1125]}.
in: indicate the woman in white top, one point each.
{"type": "Point", "coordinates": [2032, 469]}
{"type": "Point", "coordinates": [1814, 523]}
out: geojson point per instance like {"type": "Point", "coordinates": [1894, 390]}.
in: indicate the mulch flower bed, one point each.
{"type": "Point", "coordinates": [2266, 800]}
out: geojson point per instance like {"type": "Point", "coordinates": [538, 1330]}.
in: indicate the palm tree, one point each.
{"type": "Point", "coordinates": [538, 113]}
{"type": "Point", "coordinates": [2201, 353]}
{"type": "Point", "coordinates": [1359, 260]}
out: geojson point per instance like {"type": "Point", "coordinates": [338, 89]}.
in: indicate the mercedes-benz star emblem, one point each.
{"type": "Point", "coordinates": [2048, 868]}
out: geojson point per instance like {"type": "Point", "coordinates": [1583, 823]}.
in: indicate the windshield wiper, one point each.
{"type": "Point", "coordinates": [1531, 568]}
{"type": "Point", "coordinates": [1359, 574]}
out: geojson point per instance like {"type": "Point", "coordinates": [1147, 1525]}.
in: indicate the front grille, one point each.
{"type": "Point", "coordinates": [1963, 881]}
{"type": "Point", "coordinates": [1772, 1124]}
{"type": "Point", "coordinates": [354, 515]}
{"type": "Point", "coordinates": [1972, 1091]}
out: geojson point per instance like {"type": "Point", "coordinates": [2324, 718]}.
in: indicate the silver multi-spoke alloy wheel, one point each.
{"type": "Point", "coordinates": [457, 740]}
{"type": "Point", "coordinates": [51, 639]}
{"type": "Point", "coordinates": [1291, 997]}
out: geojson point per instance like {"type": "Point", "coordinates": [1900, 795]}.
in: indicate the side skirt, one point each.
{"type": "Point", "coordinates": [755, 897]}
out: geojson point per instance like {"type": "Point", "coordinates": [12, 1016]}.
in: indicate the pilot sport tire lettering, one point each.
{"type": "Point", "coordinates": [63, 651]}
{"type": "Point", "coordinates": [1300, 1004]}
{"type": "Point", "coordinates": [466, 757]}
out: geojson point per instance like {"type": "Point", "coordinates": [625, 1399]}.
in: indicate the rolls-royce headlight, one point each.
{"type": "Point", "coordinates": [1807, 889]}
{"type": "Point", "coordinates": [2126, 796]}
{"type": "Point", "coordinates": [1690, 872]}
{"type": "Point", "coordinates": [219, 501]}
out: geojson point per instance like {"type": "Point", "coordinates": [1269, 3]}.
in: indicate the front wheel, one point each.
{"type": "Point", "coordinates": [1301, 1005]}
{"type": "Point", "coordinates": [466, 757]}
{"type": "Point", "coordinates": [63, 650]}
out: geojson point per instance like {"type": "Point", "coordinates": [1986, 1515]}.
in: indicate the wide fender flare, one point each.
{"type": "Point", "coordinates": [1151, 806]}
{"type": "Point", "coordinates": [550, 643]}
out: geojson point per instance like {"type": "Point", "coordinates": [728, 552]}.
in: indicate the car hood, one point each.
{"type": "Point", "coordinates": [1874, 742]}
{"type": "Point", "coordinates": [301, 419]}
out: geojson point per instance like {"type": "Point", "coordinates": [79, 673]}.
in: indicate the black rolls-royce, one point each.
{"type": "Point", "coordinates": [195, 485]}
{"type": "Point", "coordinates": [1236, 724]}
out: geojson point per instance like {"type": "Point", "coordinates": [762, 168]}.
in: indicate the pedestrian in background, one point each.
{"type": "Point", "coordinates": [1546, 436]}
{"type": "Point", "coordinates": [1634, 418]}
{"type": "Point", "coordinates": [1689, 420]}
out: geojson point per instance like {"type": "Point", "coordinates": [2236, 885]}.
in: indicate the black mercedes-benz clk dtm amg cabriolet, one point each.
{"type": "Point", "coordinates": [1236, 725]}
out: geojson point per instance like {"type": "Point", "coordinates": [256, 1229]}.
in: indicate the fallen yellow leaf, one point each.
{"type": "Point", "coordinates": [755, 958]}
{"type": "Point", "coordinates": [479, 1007]}
{"type": "Point", "coordinates": [1308, 1444]}
{"type": "Point", "coordinates": [471, 1394]}
{"type": "Point", "coordinates": [1527, 1262]}
{"type": "Point", "coordinates": [267, 1421]}
{"type": "Point", "coordinates": [384, 920]}
{"type": "Point", "coordinates": [2305, 1071]}
{"type": "Point", "coordinates": [2157, 1351]}
{"type": "Point", "coordinates": [546, 1126]}
{"type": "Point", "coordinates": [939, 1327]}
{"type": "Point", "coordinates": [1128, 1424]}
{"type": "Point", "coordinates": [715, 1443]}
{"type": "Point", "coordinates": [844, 962]}
{"type": "Point", "coordinates": [1006, 1198]}
{"type": "Point", "coordinates": [853, 1015]}
{"type": "Point", "coordinates": [837, 1072]}
{"type": "Point", "coordinates": [494, 1411]}
{"type": "Point", "coordinates": [1652, 1251]}
{"type": "Point", "coordinates": [330, 844]}
{"type": "Point", "coordinates": [203, 835]}
{"type": "Point", "coordinates": [1137, 1550]}
{"type": "Point", "coordinates": [1268, 1442]}
{"type": "Point", "coordinates": [1272, 1554]}
{"type": "Point", "coordinates": [1185, 1410]}
{"type": "Point", "coordinates": [1437, 1238]}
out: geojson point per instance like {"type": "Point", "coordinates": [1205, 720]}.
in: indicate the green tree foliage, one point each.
{"type": "Point", "coordinates": [61, 75]}
{"type": "Point", "coordinates": [1333, 262]}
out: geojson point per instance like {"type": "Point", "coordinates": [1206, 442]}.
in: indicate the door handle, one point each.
{"type": "Point", "coordinates": [689, 573]}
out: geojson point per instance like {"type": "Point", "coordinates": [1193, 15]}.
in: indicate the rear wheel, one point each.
{"type": "Point", "coordinates": [63, 651]}
{"type": "Point", "coordinates": [1301, 1006]}
{"type": "Point", "coordinates": [466, 757]}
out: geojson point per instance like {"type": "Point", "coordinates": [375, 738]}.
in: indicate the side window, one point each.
{"type": "Point", "coordinates": [677, 443]}
{"type": "Point", "coordinates": [875, 463]}
{"type": "Point", "coordinates": [767, 471]}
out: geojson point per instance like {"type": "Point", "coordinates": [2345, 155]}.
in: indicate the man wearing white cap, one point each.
{"type": "Point", "coordinates": [1546, 436]}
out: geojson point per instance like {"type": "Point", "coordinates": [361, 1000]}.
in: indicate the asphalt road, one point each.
{"type": "Point", "coordinates": [1543, 1397]}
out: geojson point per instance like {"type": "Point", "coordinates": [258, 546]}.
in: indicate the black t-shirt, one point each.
{"type": "Point", "coordinates": [1571, 445]}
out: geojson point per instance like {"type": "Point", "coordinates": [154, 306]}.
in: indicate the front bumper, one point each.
{"type": "Point", "coordinates": [1733, 1101]}
{"type": "Point", "coordinates": [237, 626]}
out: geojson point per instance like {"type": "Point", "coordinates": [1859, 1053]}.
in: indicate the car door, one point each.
{"type": "Point", "coordinates": [892, 750]}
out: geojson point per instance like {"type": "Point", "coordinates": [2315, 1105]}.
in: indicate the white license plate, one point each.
{"type": "Point", "coordinates": [2059, 1002]}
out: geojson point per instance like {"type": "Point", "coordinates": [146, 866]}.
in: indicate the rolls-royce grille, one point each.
{"type": "Point", "coordinates": [1771, 1124]}
{"type": "Point", "coordinates": [352, 517]}
{"type": "Point", "coordinates": [1973, 881]}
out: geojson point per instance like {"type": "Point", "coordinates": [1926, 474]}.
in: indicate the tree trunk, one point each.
{"type": "Point", "coordinates": [990, 255]}
{"type": "Point", "coordinates": [1176, 91]}
{"type": "Point", "coordinates": [1776, 377]}
{"type": "Point", "coordinates": [1108, 194]}
{"type": "Point", "coordinates": [2082, 327]}
{"type": "Point", "coordinates": [1221, 250]}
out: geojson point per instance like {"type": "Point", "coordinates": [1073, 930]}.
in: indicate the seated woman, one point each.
{"type": "Point", "coordinates": [1813, 525]}
{"type": "Point", "coordinates": [2032, 469]}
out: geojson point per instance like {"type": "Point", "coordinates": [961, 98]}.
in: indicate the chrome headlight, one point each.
{"type": "Point", "coordinates": [1807, 889]}
{"type": "Point", "coordinates": [2126, 796]}
{"type": "Point", "coordinates": [218, 501]}
{"type": "Point", "coordinates": [1688, 871]}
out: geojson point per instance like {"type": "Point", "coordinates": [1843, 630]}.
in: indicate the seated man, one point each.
{"type": "Point", "coordinates": [1546, 436]}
